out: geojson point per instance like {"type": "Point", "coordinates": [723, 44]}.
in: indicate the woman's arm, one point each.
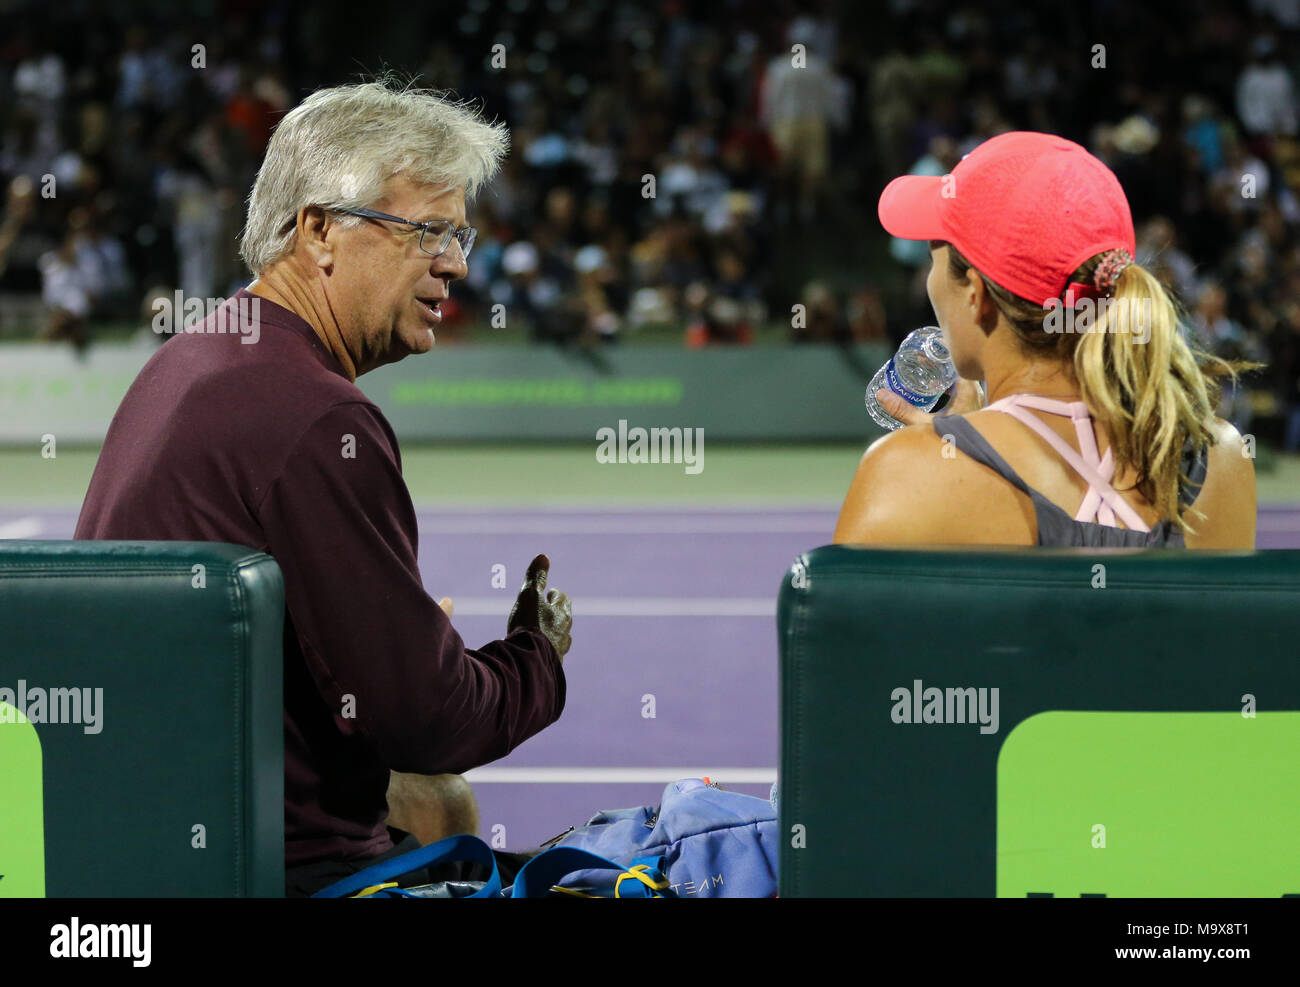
{"type": "Point", "coordinates": [1227, 498]}
{"type": "Point", "coordinates": [903, 489]}
{"type": "Point", "coordinates": [897, 495]}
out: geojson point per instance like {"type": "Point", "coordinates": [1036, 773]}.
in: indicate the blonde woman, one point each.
{"type": "Point", "coordinates": [1099, 429]}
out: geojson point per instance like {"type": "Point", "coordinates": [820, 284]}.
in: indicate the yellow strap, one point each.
{"type": "Point", "coordinates": [364, 892]}
{"type": "Point", "coordinates": [576, 894]}
{"type": "Point", "coordinates": [640, 873]}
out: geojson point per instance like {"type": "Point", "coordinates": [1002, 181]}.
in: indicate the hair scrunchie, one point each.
{"type": "Point", "coordinates": [1109, 270]}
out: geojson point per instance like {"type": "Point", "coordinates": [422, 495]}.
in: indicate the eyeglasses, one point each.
{"type": "Point", "coordinates": [435, 233]}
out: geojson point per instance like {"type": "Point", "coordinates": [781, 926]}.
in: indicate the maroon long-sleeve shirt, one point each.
{"type": "Point", "coordinates": [269, 445]}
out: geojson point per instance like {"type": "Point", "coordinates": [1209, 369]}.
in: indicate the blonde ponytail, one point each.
{"type": "Point", "coordinates": [1143, 382]}
{"type": "Point", "coordinates": [1146, 385]}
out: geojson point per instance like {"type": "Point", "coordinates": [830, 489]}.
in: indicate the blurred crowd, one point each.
{"type": "Point", "coordinates": [1194, 107]}
{"type": "Point", "coordinates": [708, 168]}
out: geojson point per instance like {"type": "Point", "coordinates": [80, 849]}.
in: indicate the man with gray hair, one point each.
{"type": "Point", "coordinates": [356, 229]}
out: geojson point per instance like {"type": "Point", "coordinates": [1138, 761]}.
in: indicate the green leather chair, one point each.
{"type": "Point", "coordinates": [1051, 722]}
{"type": "Point", "coordinates": [141, 720]}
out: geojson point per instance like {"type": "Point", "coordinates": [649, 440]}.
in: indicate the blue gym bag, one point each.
{"type": "Point", "coordinates": [538, 878]}
{"type": "Point", "coordinates": [701, 841]}
{"type": "Point", "coordinates": [714, 843]}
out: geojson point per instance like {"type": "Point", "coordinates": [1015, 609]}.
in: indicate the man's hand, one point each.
{"type": "Point", "coordinates": [552, 614]}
{"type": "Point", "coordinates": [967, 397]}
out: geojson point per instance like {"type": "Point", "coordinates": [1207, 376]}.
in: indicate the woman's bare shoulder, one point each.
{"type": "Point", "coordinates": [1227, 497]}
{"type": "Point", "coordinates": [912, 486]}
{"type": "Point", "coordinates": [1232, 455]}
{"type": "Point", "coordinates": [879, 507]}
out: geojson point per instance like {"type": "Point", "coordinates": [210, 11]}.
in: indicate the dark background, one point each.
{"type": "Point", "coordinates": [153, 158]}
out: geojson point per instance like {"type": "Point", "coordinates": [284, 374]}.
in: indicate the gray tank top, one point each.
{"type": "Point", "coordinates": [1055, 526]}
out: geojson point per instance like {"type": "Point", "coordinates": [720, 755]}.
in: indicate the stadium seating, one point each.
{"type": "Point", "coordinates": [169, 781]}
{"type": "Point", "coordinates": [1141, 740]}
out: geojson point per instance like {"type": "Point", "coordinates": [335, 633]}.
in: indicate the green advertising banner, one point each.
{"type": "Point", "coordinates": [1149, 805]}
{"type": "Point", "coordinates": [22, 821]}
{"type": "Point", "coordinates": [524, 393]}
{"type": "Point", "coordinates": [48, 390]}
{"type": "Point", "coordinates": [508, 393]}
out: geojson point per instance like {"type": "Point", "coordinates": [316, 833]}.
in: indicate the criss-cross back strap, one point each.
{"type": "Point", "coordinates": [1101, 503]}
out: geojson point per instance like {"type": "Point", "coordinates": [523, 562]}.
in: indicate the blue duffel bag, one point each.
{"type": "Point", "coordinates": [701, 841]}
{"type": "Point", "coordinates": [714, 843]}
{"type": "Point", "coordinates": [541, 877]}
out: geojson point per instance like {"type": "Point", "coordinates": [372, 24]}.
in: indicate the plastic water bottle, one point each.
{"type": "Point", "coordinates": [918, 373]}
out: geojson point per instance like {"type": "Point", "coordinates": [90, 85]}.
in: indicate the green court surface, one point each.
{"type": "Point", "coordinates": [512, 475]}
{"type": "Point", "coordinates": [482, 475]}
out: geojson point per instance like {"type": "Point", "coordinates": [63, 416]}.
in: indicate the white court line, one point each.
{"type": "Point", "coordinates": [540, 524]}
{"type": "Point", "coordinates": [23, 527]}
{"type": "Point", "coordinates": [615, 506]}
{"type": "Point", "coordinates": [617, 606]}
{"type": "Point", "coordinates": [569, 776]}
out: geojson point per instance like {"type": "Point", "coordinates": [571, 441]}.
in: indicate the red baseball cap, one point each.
{"type": "Point", "coordinates": [1025, 208]}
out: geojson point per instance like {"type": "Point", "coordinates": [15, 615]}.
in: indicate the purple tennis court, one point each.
{"type": "Point", "coordinates": [674, 613]}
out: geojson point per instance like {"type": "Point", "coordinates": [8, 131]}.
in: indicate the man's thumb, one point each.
{"type": "Point", "coordinates": [527, 609]}
{"type": "Point", "coordinates": [535, 578]}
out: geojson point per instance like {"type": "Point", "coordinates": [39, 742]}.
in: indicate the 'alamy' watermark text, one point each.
{"type": "Point", "coordinates": [1114, 315]}
{"type": "Point", "coordinates": [84, 706]}
{"type": "Point", "coordinates": [935, 705]}
{"type": "Point", "coordinates": [653, 445]}
{"type": "Point", "coordinates": [208, 315]}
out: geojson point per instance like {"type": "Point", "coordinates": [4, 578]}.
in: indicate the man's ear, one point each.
{"type": "Point", "coordinates": [314, 228]}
